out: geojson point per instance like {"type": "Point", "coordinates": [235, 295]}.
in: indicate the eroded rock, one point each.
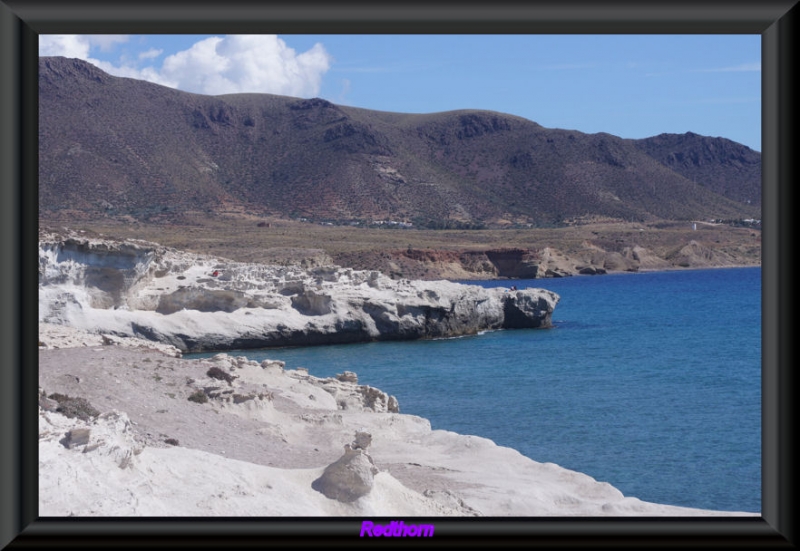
{"type": "Point", "coordinates": [77, 437]}
{"type": "Point", "coordinates": [352, 475]}
{"type": "Point", "coordinates": [145, 291]}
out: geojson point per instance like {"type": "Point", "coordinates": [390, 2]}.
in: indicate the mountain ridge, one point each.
{"type": "Point", "coordinates": [114, 147]}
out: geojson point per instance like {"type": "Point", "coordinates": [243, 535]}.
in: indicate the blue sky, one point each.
{"type": "Point", "coordinates": [632, 86]}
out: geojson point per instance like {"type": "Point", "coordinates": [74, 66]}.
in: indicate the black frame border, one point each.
{"type": "Point", "coordinates": [21, 21]}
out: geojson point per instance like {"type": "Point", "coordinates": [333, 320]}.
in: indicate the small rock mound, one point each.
{"type": "Point", "coordinates": [351, 476]}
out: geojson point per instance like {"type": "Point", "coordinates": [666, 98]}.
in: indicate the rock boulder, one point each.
{"type": "Point", "coordinates": [349, 477]}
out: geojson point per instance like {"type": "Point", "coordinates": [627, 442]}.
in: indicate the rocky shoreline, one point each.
{"type": "Point", "coordinates": [201, 303]}
{"type": "Point", "coordinates": [585, 258]}
{"type": "Point", "coordinates": [126, 429]}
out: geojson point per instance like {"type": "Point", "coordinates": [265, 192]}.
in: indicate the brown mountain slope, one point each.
{"type": "Point", "coordinates": [114, 147]}
{"type": "Point", "coordinates": [724, 166]}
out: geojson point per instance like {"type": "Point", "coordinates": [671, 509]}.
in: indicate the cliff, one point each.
{"type": "Point", "coordinates": [576, 255]}
{"type": "Point", "coordinates": [194, 302]}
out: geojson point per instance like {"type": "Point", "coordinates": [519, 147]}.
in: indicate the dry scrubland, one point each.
{"type": "Point", "coordinates": [238, 237]}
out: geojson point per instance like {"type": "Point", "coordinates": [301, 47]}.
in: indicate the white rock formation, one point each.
{"type": "Point", "coordinates": [262, 439]}
{"type": "Point", "coordinates": [349, 478]}
{"type": "Point", "coordinates": [227, 436]}
{"type": "Point", "coordinates": [136, 289]}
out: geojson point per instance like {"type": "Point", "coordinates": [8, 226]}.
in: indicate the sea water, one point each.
{"type": "Point", "coordinates": [648, 381]}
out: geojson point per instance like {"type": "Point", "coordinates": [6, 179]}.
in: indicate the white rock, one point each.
{"type": "Point", "coordinates": [261, 454]}
{"type": "Point", "coordinates": [134, 289]}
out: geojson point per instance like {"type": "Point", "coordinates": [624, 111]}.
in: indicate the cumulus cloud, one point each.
{"type": "Point", "coordinates": [215, 65]}
{"type": "Point", "coordinates": [67, 45]}
{"type": "Point", "coordinates": [246, 64]}
{"type": "Point", "coordinates": [77, 45]}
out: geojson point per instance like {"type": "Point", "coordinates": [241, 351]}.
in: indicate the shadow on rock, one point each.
{"type": "Point", "coordinates": [352, 475]}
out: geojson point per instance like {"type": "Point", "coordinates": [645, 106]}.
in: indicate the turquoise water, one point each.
{"type": "Point", "coordinates": [651, 382]}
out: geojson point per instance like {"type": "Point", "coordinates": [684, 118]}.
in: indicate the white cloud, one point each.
{"type": "Point", "coordinates": [150, 54]}
{"type": "Point", "coordinates": [215, 65]}
{"type": "Point", "coordinates": [67, 45]}
{"type": "Point", "coordinates": [77, 45]}
{"type": "Point", "coordinates": [250, 63]}
{"type": "Point", "coordinates": [106, 42]}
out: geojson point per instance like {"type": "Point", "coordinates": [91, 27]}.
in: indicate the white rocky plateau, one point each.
{"type": "Point", "coordinates": [195, 302]}
{"type": "Point", "coordinates": [127, 427]}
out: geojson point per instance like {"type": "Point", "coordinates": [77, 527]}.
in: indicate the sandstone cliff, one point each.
{"type": "Point", "coordinates": [193, 302]}
{"type": "Point", "coordinates": [584, 257]}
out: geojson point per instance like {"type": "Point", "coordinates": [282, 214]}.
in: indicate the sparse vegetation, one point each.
{"type": "Point", "coordinates": [219, 374]}
{"type": "Point", "coordinates": [236, 238]}
{"type": "Point", "coordinates": [199, 397]}
{"type": "Point", "coordinates": [74, 407]}
{"type": "Point", "coordinates": [449, 169]}
{"type": "Point", "coordinates": [448, 224]}
{"type": "Point", "coordinates": [241, 398]}
{"type": "Point", "coordinates": [466, 181]}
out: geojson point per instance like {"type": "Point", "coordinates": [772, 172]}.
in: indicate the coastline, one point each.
{"type": "Point", "coordinates": [694, 268]}
{"type": "Point", "coordinates": [260, 456]}
{"type": "Point", "coordinates": [456, 255]}
{"type": "Point", "coordinates": [130, 289]}
{"type": "Point", "coordinates": [609, 272]}
{"type": "Point", "coordinates": [615, 273]}
{"type": "Point", "coordinates": [153, 412]}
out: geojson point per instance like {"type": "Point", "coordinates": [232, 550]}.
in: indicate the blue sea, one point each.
{"type": "Point", "coordinates": [648, 381]}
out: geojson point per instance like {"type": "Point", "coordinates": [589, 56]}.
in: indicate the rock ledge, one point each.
{"type": "Point", "coordinates": [137, 289]}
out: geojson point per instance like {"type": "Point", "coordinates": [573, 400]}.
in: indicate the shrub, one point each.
{"type": "Point", "coordinates": [241, 398]}
{"type": "Point", "coordinates": [199, 397]}
{"type": "Point", "coordinates": [217, 373]}
{"type": "Point", "coordinates": [74, 407]}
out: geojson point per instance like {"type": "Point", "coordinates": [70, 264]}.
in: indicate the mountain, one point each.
{"type": "Point", "coordinates": [722, 165]}
{"type": "Point", "coordinates": [111, 146]}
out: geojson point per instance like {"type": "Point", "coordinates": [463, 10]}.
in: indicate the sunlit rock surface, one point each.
{"type": "Point", "coordinates": [194, 302]}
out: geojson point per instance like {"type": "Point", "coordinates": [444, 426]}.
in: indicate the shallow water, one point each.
{"type": "Point", "coordinates": [651, 382]}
